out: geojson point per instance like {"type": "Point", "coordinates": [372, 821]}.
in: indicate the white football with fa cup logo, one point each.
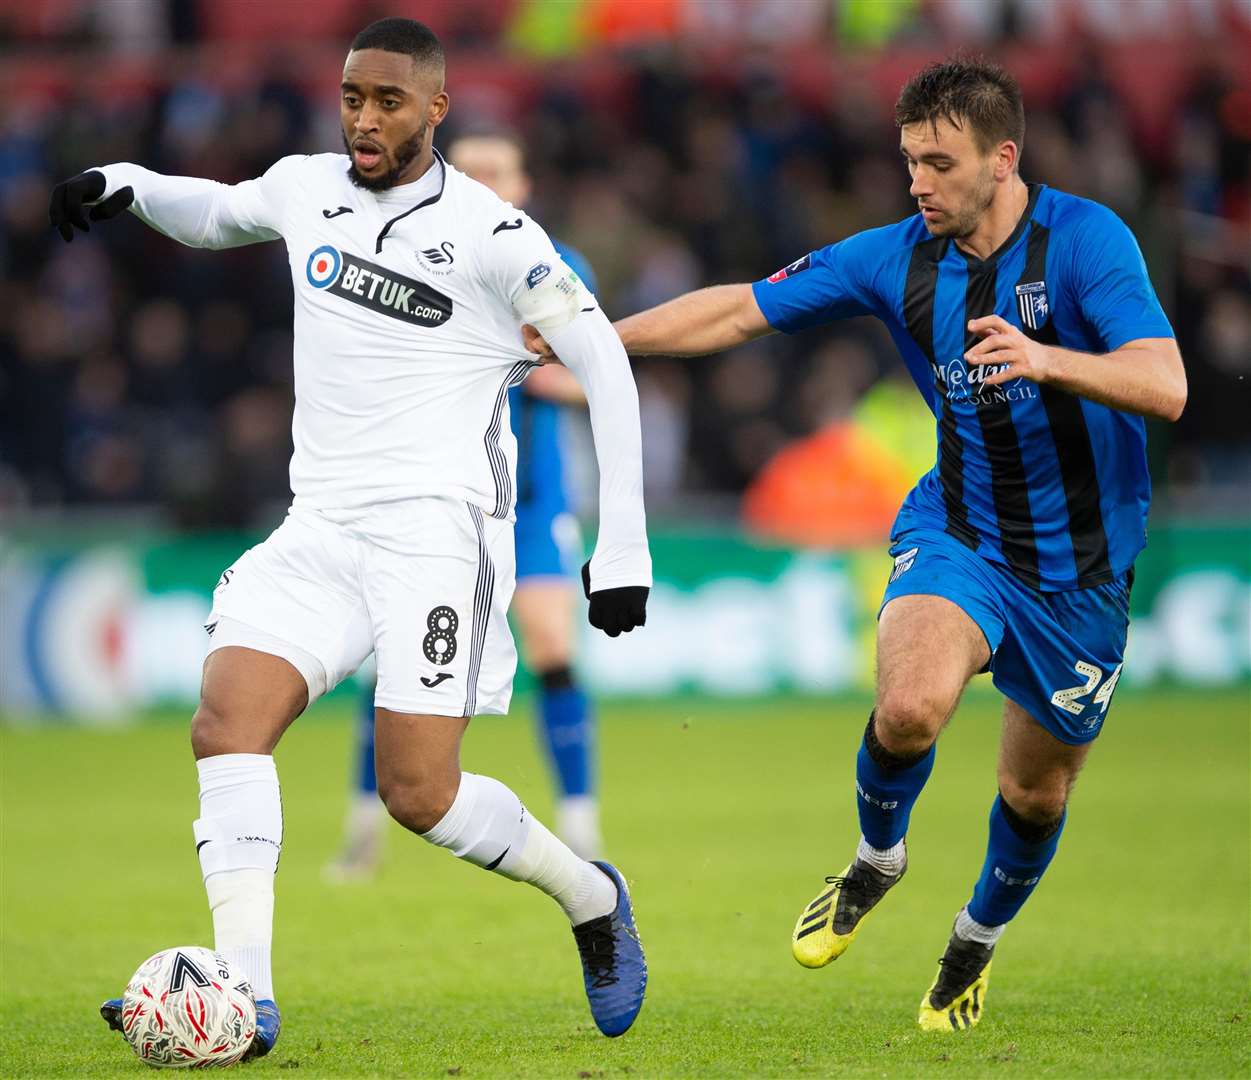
{"type": "Point", "coordinates": [185, 1007]}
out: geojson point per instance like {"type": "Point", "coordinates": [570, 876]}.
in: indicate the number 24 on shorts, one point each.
{"type": "Point", "coordinates": [1070, 700]}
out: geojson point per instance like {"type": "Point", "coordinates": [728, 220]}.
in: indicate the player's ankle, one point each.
{"type": "Point", "coordinates": [595, 896]}
{"type": "Point", "coordinates": [969, 929]}
{"type": "Point", "coordinates": [891, 860]}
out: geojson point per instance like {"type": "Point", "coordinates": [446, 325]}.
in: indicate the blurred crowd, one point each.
{"type": "Point", "coordinates": [135, 371]}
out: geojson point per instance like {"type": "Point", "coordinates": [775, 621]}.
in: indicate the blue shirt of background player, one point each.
{"type": "Point", "coordinates": [536, 423]}
{"type": "Point", "coordinates": [1050, 484]}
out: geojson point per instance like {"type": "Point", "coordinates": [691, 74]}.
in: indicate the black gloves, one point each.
{"type": "Point", "coordinates": [67, 212]}
{"type": "Point", "coordinates": [615, 610]}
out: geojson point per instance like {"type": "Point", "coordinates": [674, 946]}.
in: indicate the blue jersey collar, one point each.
{"type": "Point", "coordinates": [975, 263]}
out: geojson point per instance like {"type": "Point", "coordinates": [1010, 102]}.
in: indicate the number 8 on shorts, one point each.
{"type": "Point", "coordinates": [439, 645]}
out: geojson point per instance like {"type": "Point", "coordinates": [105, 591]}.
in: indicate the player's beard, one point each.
{"type": "Point", "coordinates": [965, 223]}
{"type": "Point", "coordinates": [405, 154]}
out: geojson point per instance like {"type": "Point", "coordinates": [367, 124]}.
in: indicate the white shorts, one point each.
{"type": "Point", "coordinates": [425, 584]}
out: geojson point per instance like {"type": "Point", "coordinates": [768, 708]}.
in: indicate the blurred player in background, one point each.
{"type": "Point", "coordinates": [411, 283]}
{"type": "Point", "coordinates": [1028, 322]}
{"type": "Point", "coordinates": [548, 552]}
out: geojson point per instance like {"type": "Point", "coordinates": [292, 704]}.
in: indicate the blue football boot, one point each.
{"type": "Point", "coordinates": [268, 1024]}
{"type": "Point", "coordinates": [613, 966]}
{"type": "Point", "coordinates": [111, 1012]}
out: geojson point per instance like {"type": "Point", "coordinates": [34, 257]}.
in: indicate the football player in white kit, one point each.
{"type": "Point", "coordinates": [412, 283]}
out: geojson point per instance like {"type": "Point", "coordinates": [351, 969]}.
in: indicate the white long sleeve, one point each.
{"type": "Point", "coordinates": [204, 213]}
{"type": "Point", "coordinates": [590, 348]}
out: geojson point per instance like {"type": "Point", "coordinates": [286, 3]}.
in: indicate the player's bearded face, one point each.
{"type": "Point", "coordinates": [396, 161]}
{"type": "Point", "coordinates": [964, 217]}
{"type": "Point", "coordinates": [953, 180]}
{"type": "Point", "coordinates": [388, 106]}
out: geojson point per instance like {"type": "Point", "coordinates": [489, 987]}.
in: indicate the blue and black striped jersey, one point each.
{"type": "Point", "coordinates": [536, 423]}
{"type": "Point", "coordinates": [1053, 485]}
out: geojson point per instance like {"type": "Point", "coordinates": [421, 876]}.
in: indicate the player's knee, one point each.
{"type": "Point", "coordinates": [213, 732]}
{"type": "Point", "coordinates": [908, 720]}
{"type": "Point", "coordinates": [418, 804]}
{"type": "Point", "coordinates": [1037, 803]}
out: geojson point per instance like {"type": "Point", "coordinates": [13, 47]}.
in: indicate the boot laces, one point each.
{"type": "Point", "coordinates": [597, 948]}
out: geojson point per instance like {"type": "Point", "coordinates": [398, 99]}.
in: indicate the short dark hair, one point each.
{"type": "Point", "coordinates": [402, 36]}
{"type": "Point", "coordinates": [964, 90]}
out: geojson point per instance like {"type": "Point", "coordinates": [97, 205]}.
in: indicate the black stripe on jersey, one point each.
{"type": "Point", "coordinates": [413, 209]}
{"type": "Point", "coordinates": [1074, 451]}
{"type": "Point", "coordinates": [918, 311]}
{"type": "Point", "coordinates": [1009, 486]}
{"type": "Point", "coordinates": [483, 589]}
{"type": "Point", "coordinates": [491, 440]}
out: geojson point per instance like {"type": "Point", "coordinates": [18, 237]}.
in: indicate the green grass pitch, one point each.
{"type": "Point", "coordinates": [1132, 959]}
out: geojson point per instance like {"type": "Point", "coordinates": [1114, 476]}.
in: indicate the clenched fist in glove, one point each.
{"type": "Point", "coordinates": [71, 198]}
{"type": "Point", "coordinates": [615, 610]}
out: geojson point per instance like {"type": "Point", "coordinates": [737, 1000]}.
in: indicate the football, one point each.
{"type": "Point", "coordinates": [185, 1007]}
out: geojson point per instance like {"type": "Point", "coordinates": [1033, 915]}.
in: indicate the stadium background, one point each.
{"type": "Point", "coordinates": [145, 396]}
{"type": "Point", "coordinates": [145, 391]}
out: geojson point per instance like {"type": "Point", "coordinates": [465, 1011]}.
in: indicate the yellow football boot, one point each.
{"type": "Point", "coordinates": [957, 998]}
{"type": "Point", "coordinates": [827, 925]}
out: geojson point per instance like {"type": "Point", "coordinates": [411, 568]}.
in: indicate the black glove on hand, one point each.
{"type": "Point", "coordinates": [615, 610]}
{"type": "Point", "coordinates": [67, 212]}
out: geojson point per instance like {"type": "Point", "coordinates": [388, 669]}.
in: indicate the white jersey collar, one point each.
{"type": "Point", "coordinates": [428, 189]}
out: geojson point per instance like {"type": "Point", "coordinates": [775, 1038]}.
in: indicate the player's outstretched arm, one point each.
{"type": "Point", "coordinates": [196, 212]}
{"type": "Point", "coordinates": [697, 323]}
{"type": "Point", "coordinates": [694, 324]}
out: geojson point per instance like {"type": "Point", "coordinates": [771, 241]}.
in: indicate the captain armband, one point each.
{"type": "Point", "coordinates": [552, 297]}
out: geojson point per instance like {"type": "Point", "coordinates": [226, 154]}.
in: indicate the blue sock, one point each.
{"type": "Point", "coordinates": [1016, 856]}
{"type": "Point", "coordinates": [887, 788]}
{"type": "Point", "coordinates": [568, 731]}
{"type": "Point", "coordinates": [366, 777]}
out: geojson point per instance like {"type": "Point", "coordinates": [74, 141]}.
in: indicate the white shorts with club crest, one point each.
{"type": "Point", "coordinates": [424, 583]}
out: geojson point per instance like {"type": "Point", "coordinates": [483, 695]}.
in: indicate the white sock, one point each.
{"type": "Point", "coordinates": [242, 902]}
{"type": "Point", "coordinates": [239, 840]}
{"type": "Point", "coordinates": [581, 888]}
{"type": "Point", "coordinates": [577, 824]}
{"type": "Point", "coordinates": [488, 826]}
{"type": "Point", "coordinates": [889, 860]}
{"type": "Point", "coordinates": [970, 929]}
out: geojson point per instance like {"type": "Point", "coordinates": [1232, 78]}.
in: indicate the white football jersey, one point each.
{"type": "Point", "coordinates": [406, 338]}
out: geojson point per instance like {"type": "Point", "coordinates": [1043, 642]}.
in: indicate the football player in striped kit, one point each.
{"type": "Point", "coordinates": [1028, 323]}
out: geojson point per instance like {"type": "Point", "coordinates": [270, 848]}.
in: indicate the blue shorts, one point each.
{"type": "Point", "coordinates": [548, 542]}
{"type": "Point", "coordinates": [1056, 654]}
